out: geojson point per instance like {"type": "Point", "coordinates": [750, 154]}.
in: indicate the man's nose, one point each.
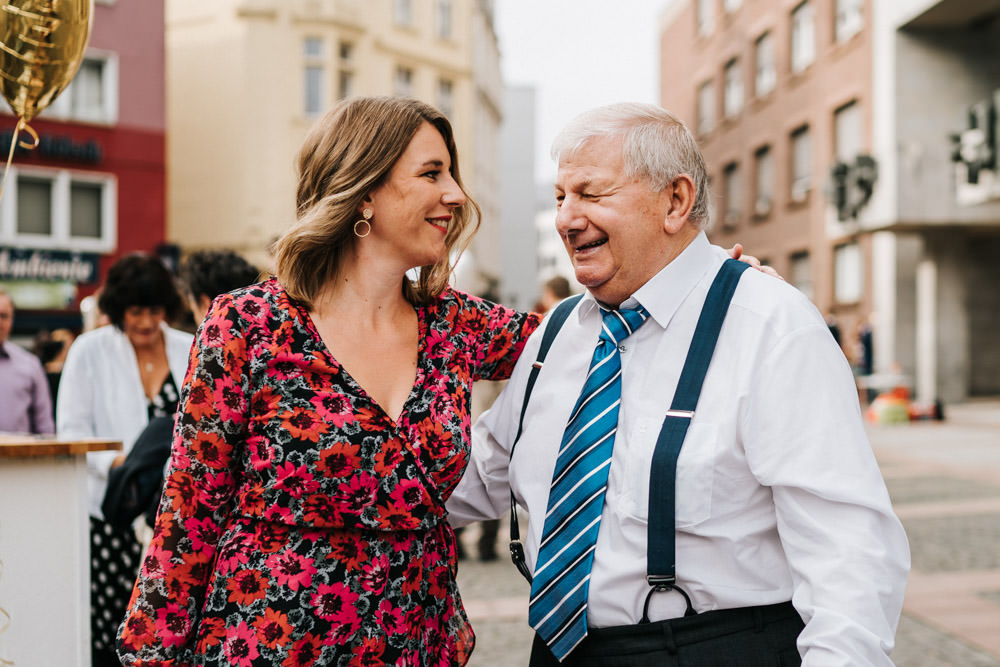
{"type": "Point", "coordinates": [569, 216]}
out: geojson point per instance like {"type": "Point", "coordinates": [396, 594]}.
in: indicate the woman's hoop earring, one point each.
{"type": "Point", "coordinates": [367, 215]}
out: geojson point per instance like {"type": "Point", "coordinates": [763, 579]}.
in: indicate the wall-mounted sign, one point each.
{"type": "Point", "coordinates": [852, 185]}
{"type": "Point", "coordinates": [976, 146]}
{"type": "Point", "coordinates": [57, 147]}
{"type": "Point", "coordinates": [48, 265]}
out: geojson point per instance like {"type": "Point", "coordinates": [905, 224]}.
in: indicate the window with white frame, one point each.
{"type": "Point", "coordinates": [763, 181]}
{"type": "Point", "coordinates": [345, 78]}
{"type": "Point", "coordinates": [803, 37]}
{"type": "Point", "coordinates": [732, 97]}
{"type": "Point", "coordinates": [732, 190]}
{"type": "Point", "coordinates": [848, 19]}
{"type": "Point", "coordinates": [92, 96]}
{"type": "Point", "coordinates": [848, 141]}
{"type": "Point", "coordinates": [801, 172]}
{"type": "Point", "coordinates": [705, 16]}
{"type": "Point", "coordinates": [706, 107]}
{"type": "Point", "coordinates": [403, 82]}
{"type": "Point", "coordinates": [442, 19]}
{"type": "Point", "coordinates": [314, 74]}
{"type": "Point", "coordinates": [446, 96]}
{"type": "Point", "coordinates": [402, 12]}
{"type": "Point", "coordinates": [730, 6]}
{"type": "Point", "coordinates": [48, 208]}
{"type": "Point", "coordinates": [848, 277]}
{"type": "Point", "coordinates": [800, 273]}
{"type": "Point", "coordinates": [765, 75]}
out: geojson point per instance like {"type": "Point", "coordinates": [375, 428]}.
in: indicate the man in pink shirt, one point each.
{"type": "Point", "coordinates": [25, 405]}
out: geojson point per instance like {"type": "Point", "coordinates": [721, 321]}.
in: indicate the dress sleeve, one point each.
{"type": "Point", "coordinates": [493, 336]}
{"type": "Point", "coordinates": [201, 479]}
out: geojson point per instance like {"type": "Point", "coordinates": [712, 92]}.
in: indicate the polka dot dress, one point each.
{"type": "Point", "coordinates": [115, 555]}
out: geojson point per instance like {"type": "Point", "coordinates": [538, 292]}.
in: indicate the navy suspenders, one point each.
{"type": "Point", "coordinates": [660, 557]}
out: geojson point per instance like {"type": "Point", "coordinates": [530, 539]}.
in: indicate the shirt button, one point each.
{"type": "Point", "coordinates": [621, 348]}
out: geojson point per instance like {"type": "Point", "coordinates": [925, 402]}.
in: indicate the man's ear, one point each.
{"type": "Point", "coordinates": [681, 195]}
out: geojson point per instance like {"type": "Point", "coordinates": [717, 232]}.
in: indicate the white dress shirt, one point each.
{"type": "Point", "coordinates": [101, 395]}
{"type": "Point", "coordinates": [779, 496]}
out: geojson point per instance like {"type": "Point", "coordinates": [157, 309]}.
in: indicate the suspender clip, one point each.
{"type": "Point", "coordinates": [661, 580]}
{"type": "Point", "coordinates": [537, 364]}
{"type": "Point", "coordinates": [683, 414]}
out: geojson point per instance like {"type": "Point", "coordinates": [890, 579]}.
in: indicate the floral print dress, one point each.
{"type": "Point", "coordinates": [299, 524]}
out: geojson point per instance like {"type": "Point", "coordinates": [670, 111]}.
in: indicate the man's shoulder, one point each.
{"type": "Point", "coordinates": [21, 355]}
{"type": "Point", "coordinates": [782, 306]}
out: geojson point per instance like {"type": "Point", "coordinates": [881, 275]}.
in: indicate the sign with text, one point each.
{"type": "Point", "coordinates": [48, 265]}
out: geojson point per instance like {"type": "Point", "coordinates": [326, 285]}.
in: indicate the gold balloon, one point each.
{"type": "Point", "coordinates": [41, 48]}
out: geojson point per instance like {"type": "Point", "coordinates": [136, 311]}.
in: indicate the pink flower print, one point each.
{"type": "Point", "coordinates": [240, 645]}
{"type": "Point", "coordinates": [228, 399]}
{"type": "Point", "coordinates": [374, 574]}
{"type": "Point", "coordinates": [335, 603]}
{"type": "Point", "coordinates": [291, 569]}
{"type": "Point", "coordinates": [333, 408]}
{"type": "Point", "coordinates": [172, 624]}
{"type": "Point", "coordinates": [234, 552]}
{"type": "Point", "coordinates": [409, 493]}
{"type": "Point", "coordinates": [215, 331]}
{"type": "Point", "coordinates": [297, 481]}
{"type": "Point", "coordinates": [390, 618]}
{"type": "Point", "coordinates": [285, 365]}
{"type": "Point", "coordinates": [358, 493]}
{"type": "Point", "coordinates": [203, 533]}
{"type": "Point", "coordinates": [279, 514]}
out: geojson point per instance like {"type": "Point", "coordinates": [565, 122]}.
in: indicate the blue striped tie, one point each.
{"type": "Point", "coordinates": [558, 607]}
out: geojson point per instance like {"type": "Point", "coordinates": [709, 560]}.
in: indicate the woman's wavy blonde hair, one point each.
{"type": "Point", "coordinates": [347, 154]}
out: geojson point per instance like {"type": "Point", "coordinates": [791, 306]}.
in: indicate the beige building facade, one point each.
{"type": "Point", "coordinates": [831, 130]}
{"type": "Point", "coordinates": [247, 78]}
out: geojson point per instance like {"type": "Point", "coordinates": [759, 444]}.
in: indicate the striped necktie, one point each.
{"type": "Point", "coordinates": [558, 606]}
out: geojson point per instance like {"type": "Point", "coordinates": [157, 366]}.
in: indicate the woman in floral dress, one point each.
{"type": "Point", "coordinates": [325, 419]}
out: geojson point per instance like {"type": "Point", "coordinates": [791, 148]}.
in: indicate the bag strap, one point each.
{"type": "Point", "coordinates": [555, 323]}
{"type": "Point", "coordinates": [661, 547]}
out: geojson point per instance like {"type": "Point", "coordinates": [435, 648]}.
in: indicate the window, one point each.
{"type": "Point", "coordinates": [733, 193]}
{"type": "Point", "coordinates": [705, 15]}
{"type": "Point", "coordinates": [93, 94]}
{"type": "Point", "coordinates": [849, 19]}
{"type": "Point", "coordinates": [847, 273]}
{"type": "Point", "coordinates": [442, 19]}
{"type": "Point", "coordinates": [800, 273]}
{"type": "Point", "coordinates": [706, 107]}
{"type": "Point", "coordinates": [731, 6]}
{"type": "Point", "coordinates": [801, 180]}
{"type": "Point", "coordinates": [445, 96]}
{"type": "Point", "coordinates": [847, 140]}
{"type": "Point", "coordinates": [803, 37]}
{"type": "Point", "coordinates": [404, 82]}
{"type": "Point", "coordinates": [764, 74]}
{"type": "Point", "coordinates": [732, 97]}
{"type": "Point", "coordinates": [56, 208]}
{"type": "Point", "coordinates": [402, 12]}
{"type": "Point", "coordinates": [763, 181]}
{"type": "Point", "coordinates": [345, 78]}
{"type": "Point", "coordinates": [312, 55]}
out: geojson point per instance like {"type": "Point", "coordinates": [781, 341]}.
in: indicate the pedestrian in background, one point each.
{"type": "Point", "coordinates": [115, 379]}
{"type": "Point", "coordinates": [554, 290]}
{"type": "Point", "coordinates": [208, 273]}
{"type": "Point", "coordinates": [25, 402]}
{"type": "Point", "coordinates": [769, 537]}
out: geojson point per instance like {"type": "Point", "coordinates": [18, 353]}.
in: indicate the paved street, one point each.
{"type": "Point", "coordinates": [944, 478]}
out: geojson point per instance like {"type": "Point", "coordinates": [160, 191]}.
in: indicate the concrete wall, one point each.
{"type": "Point", "coordinates": [983, 300]}
{"type": "Point", "coordinates": [519, 241]}
{"type": "Point", "coordinates": [939, 74]}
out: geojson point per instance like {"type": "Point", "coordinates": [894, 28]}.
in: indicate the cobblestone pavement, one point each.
{"type": "Point", "coordinates": [944, 479]}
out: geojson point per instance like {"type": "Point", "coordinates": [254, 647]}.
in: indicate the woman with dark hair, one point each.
{"type": "Point", "coordinates": [115, 379]}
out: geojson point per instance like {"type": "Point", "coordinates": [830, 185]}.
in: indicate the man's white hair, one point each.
{"type": "Point", "coordinates": [656, 147]}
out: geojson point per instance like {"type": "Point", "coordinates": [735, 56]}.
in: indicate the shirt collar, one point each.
{"type": "Point", "coordinates": [663, 294]}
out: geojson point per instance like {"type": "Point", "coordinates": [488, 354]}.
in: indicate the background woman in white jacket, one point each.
{"type": "Point", "coordinates": [115, 379]}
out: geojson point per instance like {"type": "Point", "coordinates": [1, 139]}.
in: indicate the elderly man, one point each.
{"type": "Point", "coordinates": [753, 527]}
{"type": "Point", "coordinates": [25, 404]}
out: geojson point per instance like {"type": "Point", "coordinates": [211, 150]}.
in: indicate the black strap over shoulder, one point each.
{"type": "Point", "coordinates": [552, 327]}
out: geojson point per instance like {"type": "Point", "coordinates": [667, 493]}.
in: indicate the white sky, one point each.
{"type": "Point", "coordinates": [578, 54]}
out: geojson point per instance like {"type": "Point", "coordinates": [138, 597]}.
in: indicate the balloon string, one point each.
{"type": "Point", "coordinates": [21, 125]}
{"type": "Point", "coordinates": [4, 620]}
